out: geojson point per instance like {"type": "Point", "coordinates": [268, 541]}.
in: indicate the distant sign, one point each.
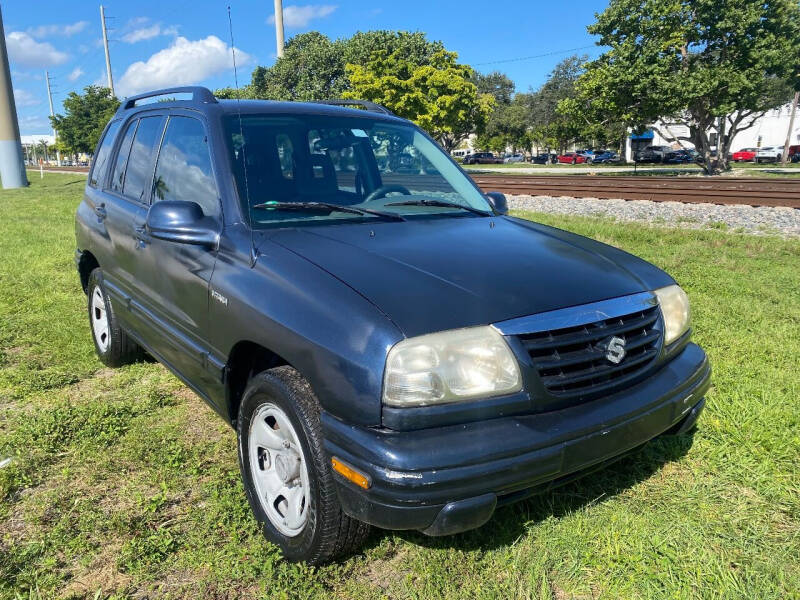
{"type": "Point", "coordinates": [647, 135]}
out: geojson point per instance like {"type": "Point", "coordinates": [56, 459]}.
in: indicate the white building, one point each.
{"type": "Point", "coordinates": [769, 130]}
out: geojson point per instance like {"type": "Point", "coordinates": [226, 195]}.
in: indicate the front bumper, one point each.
{"type": "Point", "coordinates": [449, 479]}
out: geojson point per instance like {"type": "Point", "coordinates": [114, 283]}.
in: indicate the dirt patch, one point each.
{"type": "Point", "coordinates": [101, 575]}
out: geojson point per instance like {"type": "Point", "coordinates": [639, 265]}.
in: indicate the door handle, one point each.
{"type": "Point", "coordinates": [100, 211]}
{"type": "Point", "coordinates": [140, 233]}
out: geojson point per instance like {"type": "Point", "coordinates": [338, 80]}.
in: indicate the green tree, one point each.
{"type": "Point", "coordinates": [438, 96]}
{"type": "Point", "coordinates": [498, 84]}
{"type": "Point", "coordinates": [85, 116]}
{"type": "Point", "coordinates": [313, 65]}
{"type": "Point", "coordinates": [714, 66]}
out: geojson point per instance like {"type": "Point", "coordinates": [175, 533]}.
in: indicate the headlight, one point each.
{"type": "Point", "coordinates": [675, 308]}
{"type": "Point", "coordinates": [450, 366]}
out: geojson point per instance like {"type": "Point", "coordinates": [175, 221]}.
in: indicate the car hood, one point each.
{"type": "Point", "coordinates": [443, 273]}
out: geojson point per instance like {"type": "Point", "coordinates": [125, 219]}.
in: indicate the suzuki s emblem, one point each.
{"type": "Point", "coordinates": [614, 349]}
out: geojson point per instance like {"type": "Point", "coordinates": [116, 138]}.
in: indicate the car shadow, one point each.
{"type": "Point", "coordinates": [513, 520]}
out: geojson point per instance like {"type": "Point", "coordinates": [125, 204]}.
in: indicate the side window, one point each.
{"type": "Point", "coordinates": [118, 174]}
{"type": "Point", "coordinates": [140, 163]}
{"type": "Point", "coordinates": [184, 169]}
{"type": "Point", "coordinates": [103, 151]}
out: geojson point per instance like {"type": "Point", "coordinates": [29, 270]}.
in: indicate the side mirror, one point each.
{"type": "Point", "coordinates": [182, 222]}
{"type": "Point", "coordinates": [498, 202]}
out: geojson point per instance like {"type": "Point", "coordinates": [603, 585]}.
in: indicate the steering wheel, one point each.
{"type": "Point", "coordinates": [383, 190]}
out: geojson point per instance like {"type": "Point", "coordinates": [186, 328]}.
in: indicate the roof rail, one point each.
{"type": "Point", "coordinates": [199, 95]}
{"type": "Point", "coordinates": [365, 104]}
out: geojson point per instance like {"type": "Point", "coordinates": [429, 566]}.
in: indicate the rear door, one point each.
{"type": "Point", "coordinates": [175, 277]}
{"type": "Point", "coordinates": [126, 211]}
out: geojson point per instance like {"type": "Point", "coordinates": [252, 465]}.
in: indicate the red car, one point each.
{"type": "Point", "coordinates": [745, 154]}
{"type": "Point", "coordinates": [572, 158]}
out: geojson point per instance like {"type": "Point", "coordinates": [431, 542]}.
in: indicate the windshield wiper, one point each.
{"type": "Point", "coordinates": [326, 207]}
{"type": "Point", "coordinates": [442, 203]}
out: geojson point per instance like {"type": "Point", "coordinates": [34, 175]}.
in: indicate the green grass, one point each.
{"type": "Point", "coordinates": [123, 484]}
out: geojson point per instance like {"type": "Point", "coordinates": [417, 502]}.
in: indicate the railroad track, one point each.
{"type": "Point", "coordinates": [728, 190]}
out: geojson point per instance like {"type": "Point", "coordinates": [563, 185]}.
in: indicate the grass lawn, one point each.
{"type": "Point", "coordinates": [123, 484]}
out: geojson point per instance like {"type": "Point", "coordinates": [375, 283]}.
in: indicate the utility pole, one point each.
{"type": "Point", "coordinates": [52, 114]}
{"type": "Point", "coordinates": [12, 167]}
{"type": "Point", "coordinates": [785, 155]}
{"type": "Point", "coordinates": [279, 27]}
{"type": "Point", "coordinates": [105, 45]}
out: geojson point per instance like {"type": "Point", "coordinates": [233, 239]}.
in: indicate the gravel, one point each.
{"type": "Point", "coordinates": [740, 218]}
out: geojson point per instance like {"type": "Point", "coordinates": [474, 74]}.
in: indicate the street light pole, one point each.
{"type": "Point", "coordinates": [785, 155]}
{"type": "Point", "coordinates": [12, 167]}
{"type": "Point", "coordinates": [105, 45]}
{"type": "Point", "coordinates": [52, 114]}
{"type": "Point", "coordinates": [279, 27]}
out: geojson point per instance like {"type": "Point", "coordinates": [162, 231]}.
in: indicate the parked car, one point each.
{"type": "Point", "coordinates": [354, 325]}
{"type": "Point", "coordinates": [482, 158]}
{"type": "Point", "coordinates": [769, 154]}
{"type": "Point", "coordinates": [744, 155]}
{"type": "Point", "coordinates": [572, 158]}
{"type": "Point", "coordinates": [514, 158]}
{"type": "Point", "coordinates": [678, 156]}
{"type": "Point", "coordinates": [652, 154]}
{"type": "Point", "coordinates": [606, 157]}
{"type": "Point", "coordinates": [544, 159]}
{"type": "Point", "coordinates": [794, 153]}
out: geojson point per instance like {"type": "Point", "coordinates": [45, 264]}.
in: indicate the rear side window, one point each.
{"type": "Point", "coordinates": [103, 151]}
{"type": "Point", "coordinates": [184, 166]}
{"type": "Point", "coordinates": [118, 174]}
{"type": "Point", "coordinates": [140, 162]}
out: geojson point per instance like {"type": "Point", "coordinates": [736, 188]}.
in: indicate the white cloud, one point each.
{"type": "Point", "coordinates": [139, 30]}
{"type": "Point", "coordinates": [24, 98]}
{"type": "Point", "coordinates": [184, 62]}
{"type": "Point", "coordinates": [34, 124]}
{"type": "Point", "coordinates": [144, 33]}
{"type": "Point", "coordinates": [75, 74]}
{"type": "Point", "coordinates": [300, 16]}
{"type": "Point", "coordinates": [24, 50]}
{"type": "Point", "coordinates": [102, 79]}
{"type": "Point", "coordinates": [64, 30]}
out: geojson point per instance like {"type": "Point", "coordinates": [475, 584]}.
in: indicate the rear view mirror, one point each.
{"type": "Point", "coordinates": [182, 222]}
{"type": "Point", "coordinates": [498, 202]}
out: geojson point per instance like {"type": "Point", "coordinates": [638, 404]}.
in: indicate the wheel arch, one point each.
{"type": "Point", "coordinates": [86, 264]}
{"type": "Point", "coordinates": [245, 359]}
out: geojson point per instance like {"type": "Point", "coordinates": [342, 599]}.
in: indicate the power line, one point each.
{"type": "Point", "coordinates": [521, 58]}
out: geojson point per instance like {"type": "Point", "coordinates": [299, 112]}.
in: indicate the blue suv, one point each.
{"type": "Point", "coordinates": [391, 347]}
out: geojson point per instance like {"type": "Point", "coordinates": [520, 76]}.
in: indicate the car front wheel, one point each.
{"type": "Point", "coordinates": [113, 345]}
{"type": "Point", "coordinates": [286, 472]}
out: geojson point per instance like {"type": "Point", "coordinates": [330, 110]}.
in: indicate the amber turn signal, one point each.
{"type": "Point", "coordinates": [350, 473]}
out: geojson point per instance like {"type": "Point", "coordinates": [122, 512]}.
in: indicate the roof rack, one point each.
{"type": "Point", "coordinates": [199, 95]}
{"type": "Point", "coordinates": [365, 104]}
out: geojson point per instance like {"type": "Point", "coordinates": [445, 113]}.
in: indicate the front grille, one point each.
{"type": "Point", "coordinates": [572, 361]}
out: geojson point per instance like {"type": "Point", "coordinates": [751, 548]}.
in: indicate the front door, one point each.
{"type": "Point", "coordinates": [175, 277]}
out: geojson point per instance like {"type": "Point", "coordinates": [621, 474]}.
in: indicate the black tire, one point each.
{"type": "Point", "coordinates": [117, 348]}
{"type": "Point", "coordinates": [328, 532]}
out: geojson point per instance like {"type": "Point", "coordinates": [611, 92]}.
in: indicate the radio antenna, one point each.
{"type": "Point", "coordinates": [253, 254]}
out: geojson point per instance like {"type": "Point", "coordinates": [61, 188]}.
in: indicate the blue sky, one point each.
{"type": "Point", "coordinates": [168, 42]}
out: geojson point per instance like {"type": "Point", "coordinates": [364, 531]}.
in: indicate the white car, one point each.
{"type": "Point", "coordinates": [769, 154]}
{"type": "Point", "coordinates": [514, 158]}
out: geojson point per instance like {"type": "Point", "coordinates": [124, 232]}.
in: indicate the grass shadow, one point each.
{"type": "Point", "coordinates": [511, 521]}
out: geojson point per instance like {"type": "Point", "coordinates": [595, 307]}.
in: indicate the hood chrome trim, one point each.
{"type": "Point", "coordinates": [577, 315]}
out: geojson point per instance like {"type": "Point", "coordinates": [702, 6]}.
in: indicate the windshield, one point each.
{"type": "Point", "coordinates": [363, 164]}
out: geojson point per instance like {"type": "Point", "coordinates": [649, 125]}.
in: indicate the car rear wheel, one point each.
{"type": "Point", "coordinates": [114, 347]}
{"type": "Point", "coordinates": [287, 475]}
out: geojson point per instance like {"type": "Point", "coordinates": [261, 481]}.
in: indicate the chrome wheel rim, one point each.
{"type": "Point", "coordinates": [278, 469]}
{"type": "Point", "coordinates": [100, 319]}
